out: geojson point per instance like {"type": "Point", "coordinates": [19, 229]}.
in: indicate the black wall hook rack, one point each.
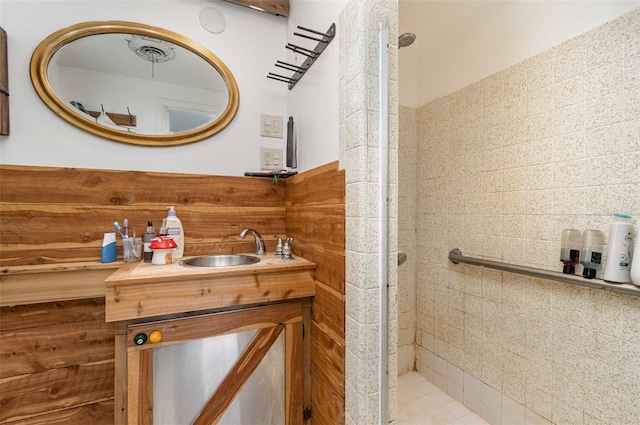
{"type": "Point", "coordinates": [299, 70]}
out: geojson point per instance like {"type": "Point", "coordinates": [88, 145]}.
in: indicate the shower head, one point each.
{"type": "Point", "coordinates": [406, 39]}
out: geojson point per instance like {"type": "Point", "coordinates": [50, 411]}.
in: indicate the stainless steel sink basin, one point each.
{"type": "Point", "coordinates": [220, 261]}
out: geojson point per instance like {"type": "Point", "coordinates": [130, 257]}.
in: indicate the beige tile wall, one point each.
{"type": "Point", "coordinates": [407, 177]}
{"type": "Point", "coordinates": [358, 33]}
{"type": "Point", "coordinates": [504, 165]}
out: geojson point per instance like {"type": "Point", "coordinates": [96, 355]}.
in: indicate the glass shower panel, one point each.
{"type": "Point", "coordinates": [186, 375]}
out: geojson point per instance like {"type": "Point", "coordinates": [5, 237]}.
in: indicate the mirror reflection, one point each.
{"type": "Point", "coordinates": [134, 83]}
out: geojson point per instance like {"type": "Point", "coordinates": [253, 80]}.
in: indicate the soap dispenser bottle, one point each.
{"type": "Point", "coordinates": [591, 252]}
{"type": "Point", "coordinates": [570, 250]}
{"type": "Point", "coordinates": [176, 231]}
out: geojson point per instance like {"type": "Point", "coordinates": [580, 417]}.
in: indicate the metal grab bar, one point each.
{"type": "Point", "coordinates": [455, 256]}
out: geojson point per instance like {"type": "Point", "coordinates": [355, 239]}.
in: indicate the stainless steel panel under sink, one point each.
{"type": "Point", "coordinates": [220, 261]}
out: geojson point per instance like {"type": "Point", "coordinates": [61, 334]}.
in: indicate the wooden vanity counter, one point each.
{"type": "Point", "coordinates": [143, 290]}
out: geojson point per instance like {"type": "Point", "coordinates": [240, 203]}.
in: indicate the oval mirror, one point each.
{"type": "Point", "coordinates": [134, 83]}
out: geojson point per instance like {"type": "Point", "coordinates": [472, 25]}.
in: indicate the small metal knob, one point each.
{"type": "Point", "coordinates": [286, 250]}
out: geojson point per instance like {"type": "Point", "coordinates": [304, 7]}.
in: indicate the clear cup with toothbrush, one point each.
{"type": "Point", "coordinates": [131, 249]}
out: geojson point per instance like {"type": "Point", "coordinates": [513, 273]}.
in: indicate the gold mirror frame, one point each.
{"type": "Point", "coordinates": [50, 45]}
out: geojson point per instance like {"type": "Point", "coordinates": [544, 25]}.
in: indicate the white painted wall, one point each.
{"type": "Point", "coordinates": [249, 46]}
{"type": "Point", "coordinates": [461, 42]}
{"type": "Point", "coordinates": [313, 102]}
{"type": "Point", "coordinates": [116, 93]}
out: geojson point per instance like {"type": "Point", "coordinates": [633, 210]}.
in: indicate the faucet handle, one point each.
{"type": "Point", "coordinates": [286, 249]}
{"type": "Point", "coordinates": [278, 246]}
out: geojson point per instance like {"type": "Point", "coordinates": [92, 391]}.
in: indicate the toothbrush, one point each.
{"type": "Point", "coordinates": [116, 225]}
{"type": "Point", "coordinates": [125, 222]}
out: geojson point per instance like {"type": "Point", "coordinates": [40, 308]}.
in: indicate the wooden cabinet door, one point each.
{"type": "Point", "coordinates": [260, 328]}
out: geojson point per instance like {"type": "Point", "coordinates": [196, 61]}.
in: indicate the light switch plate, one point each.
{"type": "Point", "coordinates": [271, 126]}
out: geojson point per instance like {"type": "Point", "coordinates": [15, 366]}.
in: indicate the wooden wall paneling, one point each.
{"type": "Point", "coordinates": [330, 268]}
{"type": "Point", "coordinates": [37, 201]}
{"type": "Point", "coordinates": [47, 352]}
{"type": "Point", "coordinates": [54, 215]}
{"type": "Point", "coordinates": [17, 288]}
{"type": "Point", "coordinates": [327, 374]}
{"type": "Point", "coordinates": [54, 313]}
{"type": "Point", "coordinates": [76, 225]}
{"type": "Point", "coordinates": [294, 380]}
{"type": "Point", "coordinates": [52, 233]}
{"type": "Point", "coordinates": [55, 389]}
{"type": "Point", "coordinates": [306, 360]}
{"type": "Point", "coordinates": [100, 413]}
{"type": "Point", "coordinates": [52, 185]}
{"type": "Point", "coordinates": [321, 226]}
{"type": "Point", "coordinates": [121, 376]}
{"type": "Point", "coordinates": [328, 311]}
{"type": "Point", "coordinates": [4, 85]}
{"type": "Point", "coordinates": [57, 346]}
{"type": "Point", "coordinates": [321, 186]}
{"type": "Point", "coordinates": [316, 219]}
{"type": "Point", "coordinates": [275, 7]}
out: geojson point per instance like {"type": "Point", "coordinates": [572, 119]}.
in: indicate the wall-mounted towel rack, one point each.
{"type": "Point", "coordinates": [299, 70]}
{"type": "Point", "coordinates": [455, 256]}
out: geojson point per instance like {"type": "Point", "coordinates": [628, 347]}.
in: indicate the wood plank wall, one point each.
{"type": "Point", "coordinates": [57, 363]}
{"type": "Point", "coordinates": [57, 359]}
{"type": "Point", "coordinates": [59, 215]}
{"type": "Point", "coordinates": [316, 220]}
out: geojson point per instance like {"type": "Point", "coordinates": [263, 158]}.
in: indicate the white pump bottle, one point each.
{"type": "Point", "coordinates": [176, 231]}
{"type": "Point", "coordinates": [618, 266]}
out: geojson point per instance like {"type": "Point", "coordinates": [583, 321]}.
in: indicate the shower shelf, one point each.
{"type": "Point", "coordinates": [455, 256]}
{"type": "Point", "coordinates": [312, 55]}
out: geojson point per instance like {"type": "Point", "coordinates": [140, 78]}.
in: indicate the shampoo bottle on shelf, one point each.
{"type": "Point", "coordinates": [618, 266]}
{"type": "Point", "coordinates": [174, 227]}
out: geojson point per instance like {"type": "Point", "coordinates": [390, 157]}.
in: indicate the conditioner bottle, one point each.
{"type": "Point", "coordinates": [618, 266]}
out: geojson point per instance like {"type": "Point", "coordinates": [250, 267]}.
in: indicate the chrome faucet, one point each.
{"type": "Point", "coordinates": [259, 242]}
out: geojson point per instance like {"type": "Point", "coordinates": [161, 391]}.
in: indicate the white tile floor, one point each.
{"type": "Point", "coordinates": [422, 403]}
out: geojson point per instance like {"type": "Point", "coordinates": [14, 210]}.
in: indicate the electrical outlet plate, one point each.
{"type": "Point", "coordinates": [271, 126]}
{"type": "Point", "coordinates": [271, 159]}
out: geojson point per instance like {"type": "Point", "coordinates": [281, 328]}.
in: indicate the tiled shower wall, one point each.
{"type": "Point", "coordinates": [407, 177]}
{"type": "Point", "coordinates": [503, 166]}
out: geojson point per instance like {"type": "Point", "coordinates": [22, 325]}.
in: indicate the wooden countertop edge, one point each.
{"type": "Point", "coordinates": [60, 267]}
{"type": "Point", "coordinates": [34, 284]}
{"type": "Point", "coordinates": [141, 273]}
{"type": "Point", "coordinates": [52, 286]}
{"type": "Point", "coordinates": [201, 293]}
